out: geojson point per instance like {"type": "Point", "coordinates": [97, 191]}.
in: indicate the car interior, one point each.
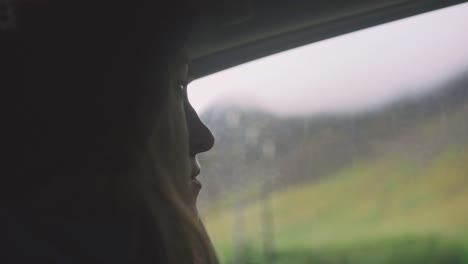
{"type": "Point", "coordinates": [387, 183]}
{"type": "Point", "coordinates": [236, 32]}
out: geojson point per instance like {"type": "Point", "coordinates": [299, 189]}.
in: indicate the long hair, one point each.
{"type": "Point", "coordinates": [96, 125]}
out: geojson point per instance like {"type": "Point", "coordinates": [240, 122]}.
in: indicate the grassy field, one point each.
{"type": "Point", "coordinates": [389, 210]}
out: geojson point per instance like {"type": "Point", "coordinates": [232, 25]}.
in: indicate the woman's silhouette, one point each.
{"type": "Point", "coordinates": [101, 137]}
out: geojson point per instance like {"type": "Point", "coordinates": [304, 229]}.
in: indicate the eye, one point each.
{"type": "Point", "coordinates": [182, 88]}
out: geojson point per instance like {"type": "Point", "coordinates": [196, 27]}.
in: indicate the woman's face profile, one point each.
{"type": "Point", "coordinates": [200, 138]}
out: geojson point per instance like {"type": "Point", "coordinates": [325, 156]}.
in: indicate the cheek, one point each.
{"type": "Point", "coordinates": [178, 152]}
{"type": "Point", "coordinates": [188, 118]}
{"type": "Point", "coordinates": [178, 115]}
{"type": "Point", "coordinates": [180, 125]}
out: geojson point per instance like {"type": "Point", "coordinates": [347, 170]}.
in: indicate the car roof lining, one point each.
{"type": "Point", "coordinates": [260, 28]}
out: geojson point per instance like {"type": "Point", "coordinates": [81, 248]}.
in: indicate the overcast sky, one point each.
{"type": "Point", "coordinates": [349, 73]}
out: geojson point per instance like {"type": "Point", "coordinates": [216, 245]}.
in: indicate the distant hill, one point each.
{"type": "Point", "coordinates": [254, 147]}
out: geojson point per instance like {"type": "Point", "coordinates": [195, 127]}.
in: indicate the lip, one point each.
{"type": "Point", "coordinates": [196, 183]}
{"type": "Point", "coordinates": [195, 169]}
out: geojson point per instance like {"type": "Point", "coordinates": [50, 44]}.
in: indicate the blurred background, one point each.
{"type": "Point", "coordinates": [348, 150]}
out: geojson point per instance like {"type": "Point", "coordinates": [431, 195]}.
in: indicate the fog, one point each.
{"type": "Point", "coordinates": [349, 73]}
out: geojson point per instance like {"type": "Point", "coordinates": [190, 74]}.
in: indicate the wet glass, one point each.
{"type": "Point", "coordinates": [349, 150]}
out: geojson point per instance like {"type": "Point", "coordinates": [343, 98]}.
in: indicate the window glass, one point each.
{"type": "Point", "coordinates": [348, 150]}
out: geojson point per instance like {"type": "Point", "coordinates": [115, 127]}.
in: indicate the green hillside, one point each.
{"type": "Point", "coordinates": [382, 211]}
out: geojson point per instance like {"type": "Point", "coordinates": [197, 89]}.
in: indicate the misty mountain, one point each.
{"type": "Point", "coordinates": [255, 148]}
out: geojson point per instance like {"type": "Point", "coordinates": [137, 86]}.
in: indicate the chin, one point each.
{"type": "Point", "coordinates": [193, 206]}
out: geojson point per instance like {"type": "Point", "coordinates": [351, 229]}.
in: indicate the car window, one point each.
{"type": "Point", "coordinates": [348, 150]}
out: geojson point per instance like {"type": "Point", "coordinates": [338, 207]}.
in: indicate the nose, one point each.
{"type": "Point", "coordinates": [200, 137]}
